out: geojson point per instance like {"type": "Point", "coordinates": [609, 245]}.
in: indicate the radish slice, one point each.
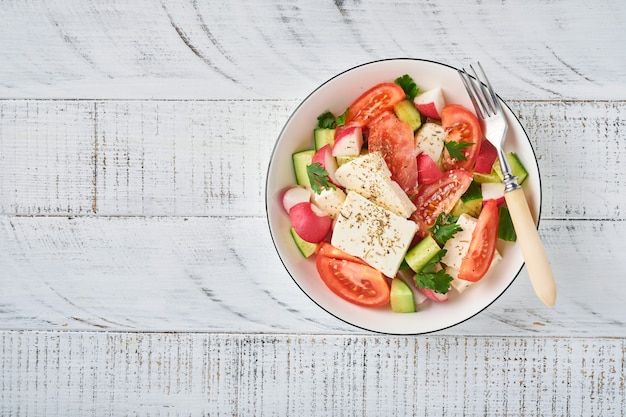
{"type": "Point", "coordinates": [430, 103]}
{"type": "Point", "coordinates": [427, 170]}
{"type": "Point", "coordinates": [435, 296]}
{"type": "Point", "coordinates": [348, 141]}
{"type": "Point", "coordinates": [310, 222]}
{"type": "Point", "coordinates": [325, 158]}
{"type": "Point", "coordinates": [486, 157]}
{"type": "Point", "coordinates": [295, 195]}
{"type": "Point", "coordinates": [493, 191]}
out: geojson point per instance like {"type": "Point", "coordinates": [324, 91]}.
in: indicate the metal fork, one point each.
{"type": "Point", "coordinates": [494, 124]}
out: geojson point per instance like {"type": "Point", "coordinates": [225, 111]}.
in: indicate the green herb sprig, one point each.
{"type": "Point", "coordinates": [319, 178]}
{"type": "Point", "coordinates": [455, 148]}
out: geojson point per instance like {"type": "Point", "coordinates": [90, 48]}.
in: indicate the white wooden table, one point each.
{"type": "Point", "coordinates": [137, 274]}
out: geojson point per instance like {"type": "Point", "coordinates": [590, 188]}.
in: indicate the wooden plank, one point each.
{"type": "Point", "coordinates": [189, 158]}
{"type": "Point", "coordinates": [198, 158]}
{"type": "Point", "coordinates": [186, 49]}
{"type": "Point", "coordinates": [101, 373]}
{"type": "Point", "coordinates": [47, 164]}
{"type": "Point", "coordinates": [223, 275]}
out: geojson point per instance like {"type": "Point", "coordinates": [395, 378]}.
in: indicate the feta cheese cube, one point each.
{"type": "Point", "coordinates": [369, 176]}
{"type": "Point", "coordinates": [375, 234]}
{"type": "Point", "coordinates": [430, 140]}
{"type": "Point", "coordinates": [457, 247]}
{"type": "Point", "coordinates": [329, 200]}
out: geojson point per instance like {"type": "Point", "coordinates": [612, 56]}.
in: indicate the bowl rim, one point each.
{"type": "Point", "coordinates": [267, 197]}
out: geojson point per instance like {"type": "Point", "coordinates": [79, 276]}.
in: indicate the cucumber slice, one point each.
{"type": "Point", "coordinates": [517, 168]}
{"type": "Point", "coordinates": [418, 256]}
{"type": "Point", "coordinates": [300, 161]}
{"type": "Point", "coordinates": [323, 136]}
{"type": "Point", "coordinates": [506, 231]}
{"type": "Point", "coordinates": [491, 177]}
{"type": "Point", "coordinates": [344, 159]}
{"type": "Point", "coordinates": [406, 111]}
{"type": "Point", "coordinates": [470, 203]}
{"type": "Point", "coordinates": [306, 248]}
{"type": "Point", "coordinates": [401, 297]}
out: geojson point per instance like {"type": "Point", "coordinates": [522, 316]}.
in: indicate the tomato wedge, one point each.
{"type": "Point", "coordinates": [355, 282]}
{"type": "Point", "coordinates": [463, 127]}
{"type": "Point", "coordinates": [483, 244]}
{"type": "Point", "coordinates": [439, 197]}
{"type": "Point", "coordinates": [326, 249]}
{"type": "Point", "coordinates": [372, 103]}
{"type": "Point", "coordinates": [394, 139]}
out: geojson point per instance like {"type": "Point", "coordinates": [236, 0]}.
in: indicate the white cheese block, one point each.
{"type": "Point", "coordinates": [373, 233]}
{"type": "Point", "coordinates": [430, 140]}
{"type": "Point", "coordinates": [461, 285]}
{"type": "Point", "coordinates": [369, 176]}
{"type": "Point", "coordinates": [458, 284]}
{"type": "Point", "coordinates": [457, 247]}
{"type": "Point", "coordinates": [329, 200]}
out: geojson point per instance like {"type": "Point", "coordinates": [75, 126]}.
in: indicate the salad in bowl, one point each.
{"type": "Point", "coordinates": [386, 204]}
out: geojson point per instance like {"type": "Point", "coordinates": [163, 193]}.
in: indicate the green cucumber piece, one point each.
{"type": "Point", "coordinates": [491, 177]}
{"type": "Point", "coordinates": [306, 248]}
{"type": "Point", "coordinates": [418, 256]}
{"type": "Point", "coordinates": [323, 136]}
{"type": "Point", "coordinates": [517, 168]}
{"type": "Point", "coordinates": [301, 160]}
{"type": "Point", "coordinates": [406, 111]}
{"type": "Point", "coordinates": [506, 231]}
{"type": "Point", "coordinates": [401, 297]}
{"type": "Point", "coordinates": [471, 202]}
{"type": "Point", "coordinates": [344, 159]}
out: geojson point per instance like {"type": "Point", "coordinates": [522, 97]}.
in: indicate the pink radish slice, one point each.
{"type": "Point", "coordinates": [493, 191]}
{"type": "Point", "coordinates": [309, 222]}
{"type": "Point", "coordinates": [348, 141]}
{"type": "Point", "coordinates": [295, 195]}
{"type": "Point", "coordinates": [435, 296]}
{"type": "Point", "coordinates": [430, 103]}
{"type": "Point", "coordinates": [486, 157]}
{"type": "Point", "coordinates": [327, 161]}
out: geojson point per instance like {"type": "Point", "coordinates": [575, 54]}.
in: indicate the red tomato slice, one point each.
{"type": "Point", "coordinates": [427, 170]}
{"type": "Point", "coordinates": [439, 197]}
{"type": "Point", "coordinates": [355, 282]}
{"type": "Point", "coordinates": [326, 249]}
{"type": "Point", "coordinates": [461, 126]}
{"type": "Point", "coordinates": [373, 103]}
{"type": "Point", "coordinates": [483, 244]}
{"type": "Point", "coordinates": [394, 139]}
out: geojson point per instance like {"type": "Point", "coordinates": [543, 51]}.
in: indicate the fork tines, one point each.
{"type": "Point", "coordinates": [481, 93]}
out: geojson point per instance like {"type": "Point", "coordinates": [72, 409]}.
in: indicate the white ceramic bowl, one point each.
{"type": "Point", "coordinates": [336, 95]}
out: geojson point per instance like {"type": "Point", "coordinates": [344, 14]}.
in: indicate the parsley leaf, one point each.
{"type": "Point", "coordinates": [444, 228]}
{"type": "Point", "coordinates": [408, 85]}
{"type": "Point", "coordinates": [454, 149]}
{"type": "Point", "coordinates": [318, 177]}
{"type": "Point", "coordinates": [327, 120]}
{"type": "Point", "coordinates": [433, 277]}
{"type": "Point", "coordinates": [341, 120]}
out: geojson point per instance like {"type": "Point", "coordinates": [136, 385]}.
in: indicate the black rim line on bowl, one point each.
{"type": "Point", "coordinates": [272, 234]}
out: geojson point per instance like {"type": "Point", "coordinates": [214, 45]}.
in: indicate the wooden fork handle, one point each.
{"type": "Point", "coordinates": [534, 254]}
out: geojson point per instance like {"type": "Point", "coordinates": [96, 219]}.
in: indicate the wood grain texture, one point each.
{"type": "Point", "coordinates": [209, 158]}
{"type": "Point", "coordinates": [199, 274]}
{"type": "Point", "coordinates": [190, 49]}
{"type": "Point", "coordinates": [174, 374]}
{"type": "Point", "coordinates": [137, 274]}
